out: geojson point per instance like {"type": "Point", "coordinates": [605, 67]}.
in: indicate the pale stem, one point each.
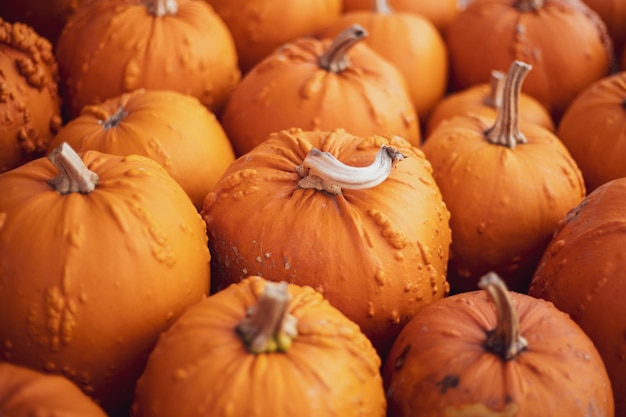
{"type": "Point", "coordinates": [496, 85]}
{"type": "Point", "coordinates": [160, 8]}
{"type": "Point", "coordinates": [335, 57]}
{"type": "Point", "coordinates": [323, 172]}
{"type": "Point", "coordinates": [382, 7]}
{"type": "Point", "coordinates": [529, 5]}
{"type": "Point", "coordinates": [115, 119]}
{"type": "Point", "coordinates": [74, 176]}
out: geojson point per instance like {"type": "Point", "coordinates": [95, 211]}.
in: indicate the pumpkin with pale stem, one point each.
{"type": "Point", "coordinates": [360, 219]}
{"type": "Point", "coordinates": [564, 40]}
{"type": "Point", "coordinates": [25, 392]}
{"type": "Point", "coordinates": [494, 352]}
{"type": "Point", "coordinates": [172, 128]}
{"type": "Point", "coordinates": [111, 47]}
{"type": "Point", "coordinates": [410, 42]}
{"type": "Point", "coordinates": [265, 349]}
{"type": "Point", "coordinates": [315, 84]}
{"type": "Point", "coordinates": [29, 100]}
{"type": "Point", "coordinates": [507, 184]}
{"type": "Point", "coordinates": [98, 255]}
{"type": "Point", "coordinates": [583, 272]}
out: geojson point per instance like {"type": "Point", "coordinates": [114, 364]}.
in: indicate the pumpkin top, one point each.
{"type": "Point", "coordinates": [335, 58]}
{"type": "Point", "coordinates": [160, 8]}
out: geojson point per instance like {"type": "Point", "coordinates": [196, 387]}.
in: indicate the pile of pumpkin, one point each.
{"type": "Point", "coordinates": [310, 208]}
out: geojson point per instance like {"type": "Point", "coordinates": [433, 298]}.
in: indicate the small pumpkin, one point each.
{"type": "Point", "coordinates": [172, 128]}
{"type": "Point", "coordinates": [112, 47]}
{"type": "Point", "coordinates": [494, 352]}
{"type": "Point", "coordinates": [99, 254]}
{"type": "Point", "coordinates": [266, 349]}
{"type": "Point", "coordinates": [306, 83]}
{"type": "Point", "coordinates": [25, 392]}
{"type": "Point", "coordinates": [29, 99]}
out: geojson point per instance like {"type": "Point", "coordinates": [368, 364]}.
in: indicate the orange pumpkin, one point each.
{"type": "Point", "coordinates": [172, 128]}
{"type": "Point", "coordinates": [26, 393]}
{"type": "Point", "coordinates": [410, 42]}
{"type": "Point", "coordinates": [98, 255]}
{"type": "Point", "coordinates": [613, 14]}
{"type": "Point", "coordinates": [506, 184]}
{"type": "Point", "coordinates": [29, 99]}
{"type": "Point", "coordinates": [554, 36]}
{"type": "Point", "coordinates": [377, 250]}
{"type": "Point", "coordinates": [495, 353]}
{"type": "Point", "coordinates": [264, 349]}
{"type": "Point", "coordinates": [584, 274]}
{"type": "Point", "coordinates": [321, 85]}
{"type": "Point", "coordinates": [111, 47]}
{"type": "Point", "coordinates": [260, 26]}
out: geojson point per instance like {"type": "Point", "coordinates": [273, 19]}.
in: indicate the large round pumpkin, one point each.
{"type": "Point", "coordinates": [291, 210]}
{"type": "Point", "coordinates": [260, 348]}
{"type": "Point", "coordinates": [98, 255]}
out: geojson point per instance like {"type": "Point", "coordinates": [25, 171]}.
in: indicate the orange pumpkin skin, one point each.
{"type": "Point", "coordinates": [29, 99]}
{"type": "Point", "coordinates": [560, 36]}
{"type": "Point", "coordinates": [582, 272]}
{"type": "Point", "coordinates": [593, 129]}
{"type": "Point", "coordinates": [613, 14]}
{"type": "Point", "coordinates": [290, 89]}
{"type": "Point", "coordinates": [379, 255]}
{"type": "Point", "coordinates": [439, 367]}
{"type": "Point", "coordinates": [260, 26]}
{"type": "Point", "coordinates": [127, 258]}
{"type": "Point", "coordinates": [111, 47]}
{"type": "Point", "coordinates": [25, 393]}
{"type": "Point", "coordinates": [331, 369]}
{"type": "Point", "coordinates": [172, 128]}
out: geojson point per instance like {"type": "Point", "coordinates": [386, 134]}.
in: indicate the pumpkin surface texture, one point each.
{"type": "Point", "coordinates": [98, 255]}
{"type": "Point", "coordinates": [495, 353]}
{"type": "Point", "coordinates": [266, 349]}
{"type": "Point", "coordinates": [377, 250]}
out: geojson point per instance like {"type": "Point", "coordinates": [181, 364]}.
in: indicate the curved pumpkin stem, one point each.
{"type": "Point", "coordinates": [322, 171]}
{"type": "Point", "coordinates": [382, 7]}
{"type": "Point", "coordinates": [496, 85]}
{"type": "Point", "coordinates": [269, 327]}
{"type": "Point", "coordinates": [529, 5]}
{"type": "Point", "coordinates": [505, 340]}
{"type": "Point", "coordinates": [74, 176]}
{"type": "Point", "coordinates": [115, 119]}
{"type": "Point", "coordinates": [505, 130]}
{"type": "Point", "coordinates": [335, 57]}
{"type": "Point", "coordinates": [160, 8]}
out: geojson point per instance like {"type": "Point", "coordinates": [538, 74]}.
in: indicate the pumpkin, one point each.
{"type": "Point", "coordinates": [111, 47]}
{"type": "Point", "coordinates": [266, 349]}
{"type": "Point", "coordinates": [493, 352]}
{"type": "Point", "coordinates": [484, 99]}
{"type": "Point", "coordinates": [554, 36]}
{"type": "Point", "coordinates": [507, 184]}
{"type": "Point", "coordinates": [582, 272]}
{"type": "Point", "coordinates": [261, 26]}
{"type": "Point", "coordinates": [593, 129]}
{"type": "Point", "coordinates": [358, 221]}
{"type": "Point", "coordinates": [613, 14]}
{"type": "Point", "coordinates": [29, 99]}
{"type": "Point", "coordinates": [98, 255]}
{"type": "Point", "coordinates": [25, 393]}
{"type": "Point", "coordinates": [306, 84]}
{"type": "Point", "coordinates": [172, 128]}
{"type": "Point", "coordinates": [411, 43]}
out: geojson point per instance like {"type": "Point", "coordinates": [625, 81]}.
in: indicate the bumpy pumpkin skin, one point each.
{"type": "Point", "coordinates": [172, 128]}
{"type": "Point", "coordinates": [379, 255]}
{"type": "Point", "coordinates": [111, 47]}
{"type": "Point", "coordinates": [582, 272]}
{"type": "Point", "coordinates": [331, 369]}
{"type": "Point", "coordinates": [439, 367]}
{"type": "Point", "coordinates": [90, 280]}
{"type": "Point", "coordinates": [26, 393]}
{"type": "Point", "coordinates": [613, 13]}
{"type": "Point", "coordinates": [29, 98]}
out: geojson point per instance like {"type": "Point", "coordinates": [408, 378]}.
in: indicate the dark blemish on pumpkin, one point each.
{"type": "Point", "coordinates": [448, 381]}
{"type": "Point", "coordinates": [400, 359]}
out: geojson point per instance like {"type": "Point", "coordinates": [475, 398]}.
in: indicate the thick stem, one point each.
{"type": "Point", "coordinates": [529, 5]}
{"type": "Point", "coordinates": [382, 7]}
{"type": "Point", "coordinates": [74, 176]}
{"type": "Point", "coordinates": [160, 8]}
{"type": "Point", "coordinates": [496, 85]}
{"type": "Point", "coordinates": [323, 172]}
{"type": "Point", "coordinates": [505, 130]}
{"type": "Point", "coordinates": [269, 327]}
{"type": "Point", "coordinates": [115, 119]}
{"type": "Point", "coordinates": [335, 57]}
{"type": "Point", "coordinates": [505, 340]}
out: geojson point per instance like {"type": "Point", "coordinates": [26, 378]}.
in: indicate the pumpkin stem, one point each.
{"type": "Point", "coordinates": [505, 130]}
{"type": "Point", "coordinates": [74, 176]}
{"type": "Point", "coordinates": [529, 5]}
{"type": "Point", "coordinates": [160, 8]}
{"type": "Point", "coordinates": [323, 172]}
{"type": "Point", "coordinates": [382, 7]}
{"type": "Point", "coordinates": [335, 57]}
{"type": "Point", "coordinates": [115, 119]}
{"type": "Point", "coordinates": [269, 327]}
{"type": "Point", "coordinates": [505, 340]}
{"type": "Point", "coordinates": [496, 84]}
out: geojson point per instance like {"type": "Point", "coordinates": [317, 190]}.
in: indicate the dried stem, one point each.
{"type": "Point", "coordinates": [335, 57]}
{"type": "Point", "coordinates": [74, 176]}
{"type": "Point", "coordinates": [115, 119]}
{"type": "Point", "coordinates": [382, 7]}
{"type": "Point", "coordinates": [496, 84]}
{"type": "Point", "coordinates": [529, 5]}
{"type": "Point", "coordinates": [160, 8]}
